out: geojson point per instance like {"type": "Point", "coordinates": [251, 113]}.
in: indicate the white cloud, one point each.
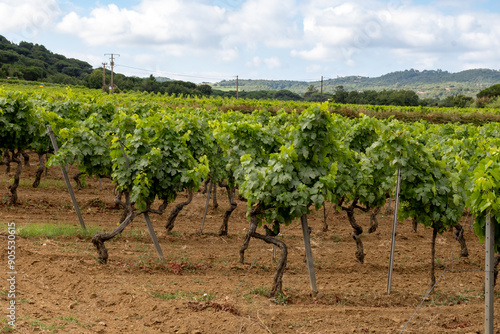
{"type": "Point", "coordinates": [259, 34]}
{"type": "Point", "coordinates": [176, 26]}
{"type": "Point", "coordinates": [272, 63]}
{"type": "Point", "coordinates": [315, 68]}
{"type": "Point", "coordinates": [180, 28]}
{"type": "Point", "coordinates": [254, 63]}
{"type": "Point", "coordinates": [341, 30]}
{"type": "Point", "coordinates": [27, 18]}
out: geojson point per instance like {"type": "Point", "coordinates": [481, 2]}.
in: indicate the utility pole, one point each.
{"type": "Point", "coordinates": [237, 87]}
{"type": "Point", "coordinates": [104, 76]}
{"type": "Point", "coordinates": [112, 63]}
{"type": "Point", "coordinates": [321, 89]}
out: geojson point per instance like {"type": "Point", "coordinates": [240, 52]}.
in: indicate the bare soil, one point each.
{"type": "Point", "coordinates": [203, 288]}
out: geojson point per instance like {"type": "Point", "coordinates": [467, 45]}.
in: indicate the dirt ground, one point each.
{"type": "Point", "coordinates": [203, 288]}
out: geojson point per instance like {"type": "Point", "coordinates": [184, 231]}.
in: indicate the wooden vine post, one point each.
{"type": "Point", "coordinates": [309, 258]}
{"type": "Point", "coordinates": [154, 238]}
{"type": "Point", "coordinates": [393, 235]}
{"type": "Point", "coordinates": [66, 179]}
{"type": "Point", "coordinates": [489, 287]}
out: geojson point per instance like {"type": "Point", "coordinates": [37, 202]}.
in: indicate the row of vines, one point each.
{"type": "Point", "coordinates": [282, 158]}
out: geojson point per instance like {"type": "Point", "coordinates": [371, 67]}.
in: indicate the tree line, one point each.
{"type": "Point", "coordinates": [33, 62]}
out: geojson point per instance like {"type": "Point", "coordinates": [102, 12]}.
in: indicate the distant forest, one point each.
{"type": "Point", "coordinates": [428, 84]}
{"type": "Point", "coordinates": [33, 62]}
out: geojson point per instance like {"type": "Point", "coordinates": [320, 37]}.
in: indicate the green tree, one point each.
{"type": "Point", "coordinates": [340, 95]}
{"type": "Point", "coordinates": [94, 80]}
{"type": "Point", "coordinates": [489, 92]}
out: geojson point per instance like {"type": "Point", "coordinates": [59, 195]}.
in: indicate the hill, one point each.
{"type": "Point", "coordinates": [427, 83]}
{"type": "Point", "coordinates": [33, 62]}
{"type": "Point", "coordinates": [28, 61]}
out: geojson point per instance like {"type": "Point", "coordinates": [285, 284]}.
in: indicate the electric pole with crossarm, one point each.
{"type": "Point", "coordinates": [112, 63]}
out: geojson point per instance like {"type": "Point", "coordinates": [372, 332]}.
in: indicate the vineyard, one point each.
{"type": "Point", "coordinates": [238, 193]}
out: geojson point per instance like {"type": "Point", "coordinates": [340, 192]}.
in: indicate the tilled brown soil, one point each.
{"type": "Point", "coordinates": [203, 288]}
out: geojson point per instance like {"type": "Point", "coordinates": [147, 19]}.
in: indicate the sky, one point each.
{"type": "Point", "coordinates": [215, 40]}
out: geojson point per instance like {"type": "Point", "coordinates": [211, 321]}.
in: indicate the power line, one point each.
{"type": "Point", "coordinates": [170, 73]}
{"type": "Point", "coordinates": [317, 80]}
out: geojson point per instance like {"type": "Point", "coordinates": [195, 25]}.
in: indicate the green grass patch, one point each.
{"type": "Point", "coordinates": [44, 183]}
{"type": "Point", "coordinates": [72, 319]}
{"type": "Point", "coordinates": [45, 327]}
{"type": "Point", "coordinates": [7, 329]}
{"type": "Point", "coordinates": [337, 238]}
{"type": "Point", "coordinates": [28, 182]}
{"type": "Point", "coordinates": [51, 230]}
{"type": "Point", "coordinates": [262, 291]}
{"type": "Point", "coordinates": [281, 298]}
{"type": "Point", "coordinates": [441, 298]}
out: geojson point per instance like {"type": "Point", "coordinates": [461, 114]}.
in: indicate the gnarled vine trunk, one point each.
{"type": "Point", "coordinates": [433, 256]}
{"type": "Point", "coordinates": [26, 158]}
{"type": "Point", "coordinates": [13, 187]}
{"type": "Point", "coordinates": [252, 227]}
{"type": "Point", "coordinates": [39, 171]}
{"type": "Point", "coordinates": [356, 235]}
{"type": "Point", "coordinates": [373, 220]}
{"type": "Point", "coordinates": [214, 195]}
{"type": "Point", "coordinates": [232, 206]}
{"type": "Point", "coordinates": [325, 217]}
{"type": "Point", "coordinates": [358, 230]}
{"type": "Point", "coordinates": [414, 225]}
{"type": "Point", "coordinates": [205, 186]}
{"type": "Point", "coordinates": [78, 181]}
{"type": "Point", "coordinates": [99, 239]}
{"type": "Point", "coordinates": [175, 212]}
{"type": "Point", "coordinates": [280, 268]}
{"type": "Point", "coordinates": [6, 161]}
{"type": "Point", "coordinates": [459, 235]}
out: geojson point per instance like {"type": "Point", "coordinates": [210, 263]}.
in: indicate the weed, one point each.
{"type": "Point", "coordinates": [260, 291]}
{"type": "Point", "coordinates": [337, 238]}
{"type": "Point", "coordinates": [281, 299]}
{"type": "Point", "coordinates": [200, 296]}
{"type": "Point", "coordinates": [72, 319]}
{"type": "Point", "coordinates": [440, 298]}
{"type": "Point", "coordinates": [7, 329]}
{"type": "Point", "coordinates": [264, 267]}
{"type": "Point", "coordinates": [206, 297]}
{"type": "Point", "coordinates": [439, 262]}
{"type": "Point", "coordinates": [45, 327]}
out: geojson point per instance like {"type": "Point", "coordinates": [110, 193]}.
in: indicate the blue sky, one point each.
{"type": "Point", "coordinates": [213, 40]}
